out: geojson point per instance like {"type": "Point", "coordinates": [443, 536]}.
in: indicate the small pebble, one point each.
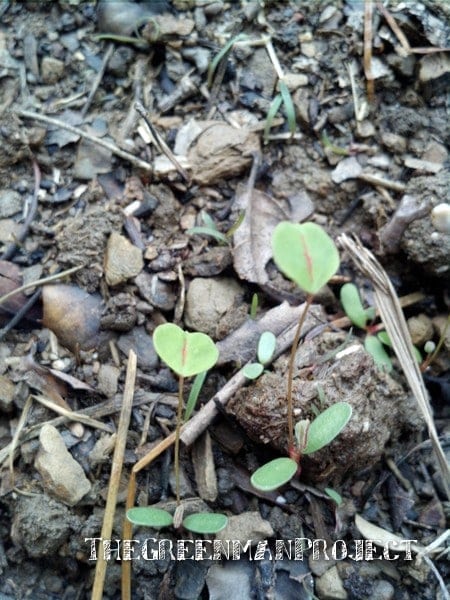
{"type": "Point", "coordinates": [11, 203]}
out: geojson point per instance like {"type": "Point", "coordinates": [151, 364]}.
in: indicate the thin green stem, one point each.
{"type": "Point", "coordinates": [290, 408]}
{"type": "Point", "coordinates": [177, 437]}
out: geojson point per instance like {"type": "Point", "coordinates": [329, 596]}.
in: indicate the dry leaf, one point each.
{"type": "Point", "coordinates": [11, 279]}
{"type": "Point", "coordinates": [252, 247]}
{"type": "Point", "coordinates": [381, 537]}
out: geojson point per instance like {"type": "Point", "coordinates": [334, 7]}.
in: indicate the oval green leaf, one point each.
{"type": "Point", "coordinates": [376, 350]}
{"type": "Point", "coordinates": [352, 305]}
{"type": "Point", "coordinates": [149, 517]}
{"type": "Point", "coordinates": [266, 347]}
{"type": "Point", "coordinates": [274, 474]}
{"type": "Point", "coordinates": [185, 353]}
{"type": "Point", "coordinates": [253, 370]}
{"type": "Point", "coordinates": [335, 496]}
{"type": "Point", "coordinates": [205, 522]}
{"type": "Point", "coordinates": [305, 253]}
{"type": "Point", "coordinates": [327, 426]}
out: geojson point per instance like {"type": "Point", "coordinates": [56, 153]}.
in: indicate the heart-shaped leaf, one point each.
{"type": "Point", "coordinates": [149, 516]}
{"type": "Point", "coordinates": [305, 253]}
{"type": "Point", "coordinates": [205, 522]}
{"type": "Point", "coordinates": [185, 353]}
{"type": "Point", "coordinates": [327, 426]}
{"type": "Point", "coordinates": [352, 305]}
{"type": "Point", "coordinates": [274, 474]}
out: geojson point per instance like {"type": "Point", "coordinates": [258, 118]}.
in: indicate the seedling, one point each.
{"type": "Point", "coordinates": [310, 437]}
{"type": "Point", "coordinates": [375, 341]}
{"type": "Point", "coordinates": [209, 228]}
{"type": "Point", "coordinates": [308, 256]}
{"type": "Point", "coordinates": [187, 354]}
{"type": "Point", "coordinates": [266, 348]}
{"type": "Point", "coordinates": [284, 98]}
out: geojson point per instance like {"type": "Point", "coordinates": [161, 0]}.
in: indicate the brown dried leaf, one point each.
{"type": "Point", "coordinates": [41, 379]}
{"type": "Point", "coordinates": [252, 248]}
{"type": "Point", "coordinates": [73, 315]}
{"type": "Point", "coordinates": [11, 279]}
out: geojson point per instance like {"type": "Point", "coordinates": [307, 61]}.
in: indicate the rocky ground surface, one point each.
{"type": "Point", "coordinates": [83, 183]}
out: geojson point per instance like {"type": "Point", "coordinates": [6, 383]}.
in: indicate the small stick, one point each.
{"type": "Point", "coordinates": [20, 314]}
{"type": "Point", "coordinates": [39, 282]}
{"type": "Point", "coordinates": [116, 470]}
{"type": "Point", "coordinates": [97, 80]}
{"type": "Point", "coordinates": [72, 415]}
{"type": "Point", "coordinates": [376, 180]}
{"type": "Point", "coordinates": [161, 143]}
{"type": "Point", "coordinates": [395, 28]}
{"type": "Point", "coordinates": [368, 49]}
{"type": "Point", "coordinates": [137, 162]}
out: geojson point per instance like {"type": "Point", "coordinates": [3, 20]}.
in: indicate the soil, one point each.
{"type": "Point", "coordinates": [123, 215]}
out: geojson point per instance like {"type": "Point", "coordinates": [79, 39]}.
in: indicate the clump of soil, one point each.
{"type": "Point", "coordinates": [378, 403]}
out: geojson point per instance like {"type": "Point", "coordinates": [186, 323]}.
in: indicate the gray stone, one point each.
{"type": "Point", "coordinates": [62, 476]}
{"type": "Point", "coordinates": [329, 586]}
{"type": "Point", "coordinates": [139, 341]}
{"type": "Point", "coordinates": [157, 292]}
{"type": "Point", "coordinates": [383, 590]}
{"type": "Point", "coordinates": [107, 379]}
{"type": "Point", "coordinates": [244, 527]}
{"type": "Point", "coordinates": [6, 393]}
{"type": "Point", "coordinates": [11, 203]}
{"type": "Point", "coordinates": [210, 303]}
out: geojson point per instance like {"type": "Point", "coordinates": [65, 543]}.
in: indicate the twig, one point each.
{"type": "Point", "coordinates": [444, 592]}
{"type": "Point", "coordinates": [32, 210]}
{"type": "Point", "coordinates": [116, 470]}
{"type": "Point", "coordinates": [98, 79]}
{"type": "Point", "coordinates": [72, 415]}
{"type": "Point", "coordinates": [20, 314]}
{"type": "Point", "coordinates": [15, 441]}
{"type": "Point", "coordinates": [397, 329]}
{"type": "Point", "coordinates": [376, 180]}
{"type": "Point", "coordinates": [102, 409]}
{"type": "Point", "coordinates": [368, 9]}
{"type": "Point", "coordinates": [137, 162]}
{"type": "Point", "coordinates": [161, 143]}
{"type": "Point", "coordinates": [39, 282]}
{"type": "Point", "coordinates": [395, 28]}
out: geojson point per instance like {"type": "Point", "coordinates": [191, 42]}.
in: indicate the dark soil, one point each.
{"type": "Point", "coordinates": [66, 201]}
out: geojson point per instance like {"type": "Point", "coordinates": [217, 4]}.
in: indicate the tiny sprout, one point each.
{"type": "Point", "coordinates": [429, 347]}
{"type": "Point", "coordinates": [352, 305]}
{"type": "Point", "coordinates": [335, 496]}
{"type": "Point", "coordinates": [266, 348]}
{"type": "Point", "coordinates": [209, 228]}
{"type": "Point", "coordinates": [375, 348]}
{"type": "Point", "coordinates": [310, 437]}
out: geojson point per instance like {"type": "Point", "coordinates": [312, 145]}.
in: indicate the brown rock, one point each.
{"type": "Point", "coordinates": [122, 260]}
